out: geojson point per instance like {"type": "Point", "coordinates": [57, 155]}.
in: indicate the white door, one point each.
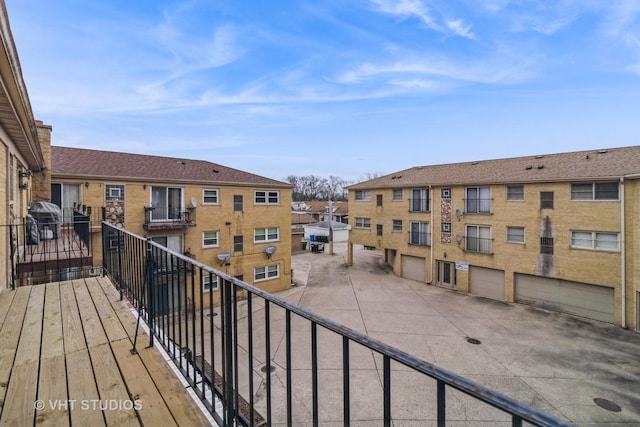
{"type": "Point", "coordinates": [486, 282]}
{"type": "Point", "coordinates": [446, 274]}
{"type": "Point", "coordinates": [580, 299]}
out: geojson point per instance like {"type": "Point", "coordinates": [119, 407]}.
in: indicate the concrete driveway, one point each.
{"type": "Point", "coordinates": [557, 363]}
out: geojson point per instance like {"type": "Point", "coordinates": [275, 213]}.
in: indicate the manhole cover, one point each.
{"type": "Point", "coordinates": [607, 404]}
{"type": "Point", "coordinates": [473, 341]}
{"type": "Point", "coordinates": [271, 368]}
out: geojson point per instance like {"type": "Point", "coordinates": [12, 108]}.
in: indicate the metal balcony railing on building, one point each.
{"type": "Point", "coordinates": [419, 239]}
{"type": "Point", "coordinates": [45, 250]}
{"type": "Point", "coordinates": [164, 218]}
{"type": "Point", "coordinates": [219, 331]}
{"type": "Point", "coordinates": [477, 244]}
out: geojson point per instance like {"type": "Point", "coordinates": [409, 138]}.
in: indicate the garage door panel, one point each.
{"type": "Point", "coordinates": [580, 299]}
{"type": "Point", "coordinates": [486, 282]}
{"type": "Point", "coordinates": [414, 268]}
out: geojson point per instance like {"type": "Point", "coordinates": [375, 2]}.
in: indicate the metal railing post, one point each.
{"type": "Point", "coordinates": [227, 339]}
{"type": "Point", "coordinates": [150, 291]}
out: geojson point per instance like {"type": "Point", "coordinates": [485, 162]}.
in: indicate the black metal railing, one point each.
{"type": "Point", "coordinates": [46, 250]}
{"type": "Point", "coordinates": [419, 239]}
{"type": "Point", "coordinates": [221, 340]}
{"type": "Point", "coordinates": [163, 216]}
{"type": "Point", "coordinates": [477, 244]}
{"type": "Point", "coordinates": [419, 204]}
{"type": "Point", "coordinates": [472, 205]}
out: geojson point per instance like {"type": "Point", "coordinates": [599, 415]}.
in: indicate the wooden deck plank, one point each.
{"type": "Point", "coordinates": [73, 334]}
{"type": "Point", "coordinates": [180, 403]}
{"type": "Point", "coordinates": [52, 339]}
{"type": "Point", "coordinates": [29, 346]}
{"type": "Point", "coordinates": [85, 390]}
{"type": "Point", "coordinates": [18, 409]}
{"type": "Point", "coordinates": [93, 332]}
{"type": "Point", "coordinates": [52, 390]}
{"type": "Point", "coordinates": [10, 336]}
{"type": "Point", "coordinates": [154, 410]}
{"type": "Point", "coordinates": [110, 321]}
{"type": "Point", "coordinates": [111, 386]}
{"type": "Point", "coordinates": [6, 297]}
{"type": "Point", "coordinates": [122, 310]}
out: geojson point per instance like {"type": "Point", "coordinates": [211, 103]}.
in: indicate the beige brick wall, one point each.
{"type": "Point", "coordinates": [41, 181]}
{"type": "Point", "coordinates": [600, 268]}
{"type": "Point", "coordinates": [213, 218]}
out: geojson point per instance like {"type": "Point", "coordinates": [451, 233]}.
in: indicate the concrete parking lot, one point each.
{"type": "Point", "coordinates": [582, 371]}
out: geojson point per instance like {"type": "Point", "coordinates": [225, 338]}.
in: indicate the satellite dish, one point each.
{"type": "Point", "coordinates": [194, 202]}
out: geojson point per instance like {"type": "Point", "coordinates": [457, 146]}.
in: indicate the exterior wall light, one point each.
{"type": "Point", "coordinates": [24, 179]}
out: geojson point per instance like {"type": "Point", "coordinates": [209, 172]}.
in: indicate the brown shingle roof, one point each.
{"type": "Point", "coordinates": [66, 161]}
{"type": "Point", "coordinates": [579, 165]}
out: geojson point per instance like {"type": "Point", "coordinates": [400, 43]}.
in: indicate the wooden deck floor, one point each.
{"type": "Point", "coordinates": [65, 359]}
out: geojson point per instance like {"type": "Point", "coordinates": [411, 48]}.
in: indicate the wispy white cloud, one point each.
{"type": "Point", "coordinates": [407, 8]}
{"type": "Point", "coordinates": [458, 27]}
{"type": "Point", "coordinates": [432, 18]}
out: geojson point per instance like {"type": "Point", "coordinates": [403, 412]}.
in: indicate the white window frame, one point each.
{"type": "Point", "coordinates": [479, 230]}
{"type": "Point", "coordinates": [396, 225]}
{"type": "Point", "coordinates": [268, 233]}
{"type": "Point", "coordinates": [205, 238]}
{"type": "Point", "coordinates": [592, 238]}
{"type": "Point", "coordinates": [266, 197]}
{"type": "Point", "coordinates": [206, 285]}
{"type": "Point", "coordinates": [509, 236]}
{"type": "Point", "coordinates": [363, 195]}
{"type": "Point", "coordinates": [419, 233]}
{"type": "Point", "coordinates": [593, 195]}
{"type": "Point", "coordinates": [481, 197]}
{"type": "Point", "coordinates": [362, 222]}
{"type": "Point", "coordinates": [108, 192]}
{"type": "Point", "coordinates": [266, 272]}
{"type": "Point", "coordinates": [216, 195]}
{"type": "Point", "coordinates": [397, 195]}
{"type": "Point", "coordinates": [510, 196]}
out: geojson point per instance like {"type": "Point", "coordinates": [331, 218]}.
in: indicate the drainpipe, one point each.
{"type": "Point", "coordinates": [623, 254]}
{"type": "Point", "coordinates": [431, 238]}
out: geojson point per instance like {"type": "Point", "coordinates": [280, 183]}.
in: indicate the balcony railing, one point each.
{"type": "Point", "coordinates": [419, 239]}
{"type": "Point", "coordinates": [44, 250]}
{"type": "Point", "coordinates": [168, 218]}
{"type": "Point", "coordinates": [419, 205]}
{"type": "Point", "coordinates": [219, 357]}
{"type": "Point", "coordinates": [473, 206]}
{"type": "Point", "coordinates": [477, 244]}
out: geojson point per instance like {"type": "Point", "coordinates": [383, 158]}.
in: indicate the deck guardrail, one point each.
{"type": "Point", "coordinates": [221, 332]}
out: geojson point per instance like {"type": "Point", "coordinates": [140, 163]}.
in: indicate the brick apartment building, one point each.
{"type": "Point", "coordinates": [557, 230]}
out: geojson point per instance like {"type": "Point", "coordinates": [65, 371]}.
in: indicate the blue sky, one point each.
{"type": "Point", "coordinates": [333, 87]}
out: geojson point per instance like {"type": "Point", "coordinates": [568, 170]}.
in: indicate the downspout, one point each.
{"type": "Point", "coordinates": [623, 254]}
{"type": "Point", "coordinates": [431, 242]}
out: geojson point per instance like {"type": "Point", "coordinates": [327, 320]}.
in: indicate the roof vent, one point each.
{"type": "Point", "coordinates": [215, 170]}
{"type": "Point", "coordinates": [540, 166]}
{"type": "Point", "coordinates": [475, 163]}
{"type": "Point", "coordinates": [539, 157]}
{"type": "Point", "coordinates": [529, 167]}
{"type": "Point", "coordinates": [181, 162]}
{"type": "Point", "coordinates": [602, 152]}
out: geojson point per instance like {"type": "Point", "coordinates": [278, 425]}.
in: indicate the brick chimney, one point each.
{"type": "Point", "coordinates": [41, 181]}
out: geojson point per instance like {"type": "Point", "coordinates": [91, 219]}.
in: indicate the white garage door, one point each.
{"type": "Point", "coordinates": [414, 268]}
{"type": "Point", "coordinates": [486, 282]}
{"type": "Point", "coordinates": [580, 299]}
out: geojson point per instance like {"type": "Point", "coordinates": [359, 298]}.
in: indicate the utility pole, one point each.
{"type": "Point", "coordinates": [330, 227]}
